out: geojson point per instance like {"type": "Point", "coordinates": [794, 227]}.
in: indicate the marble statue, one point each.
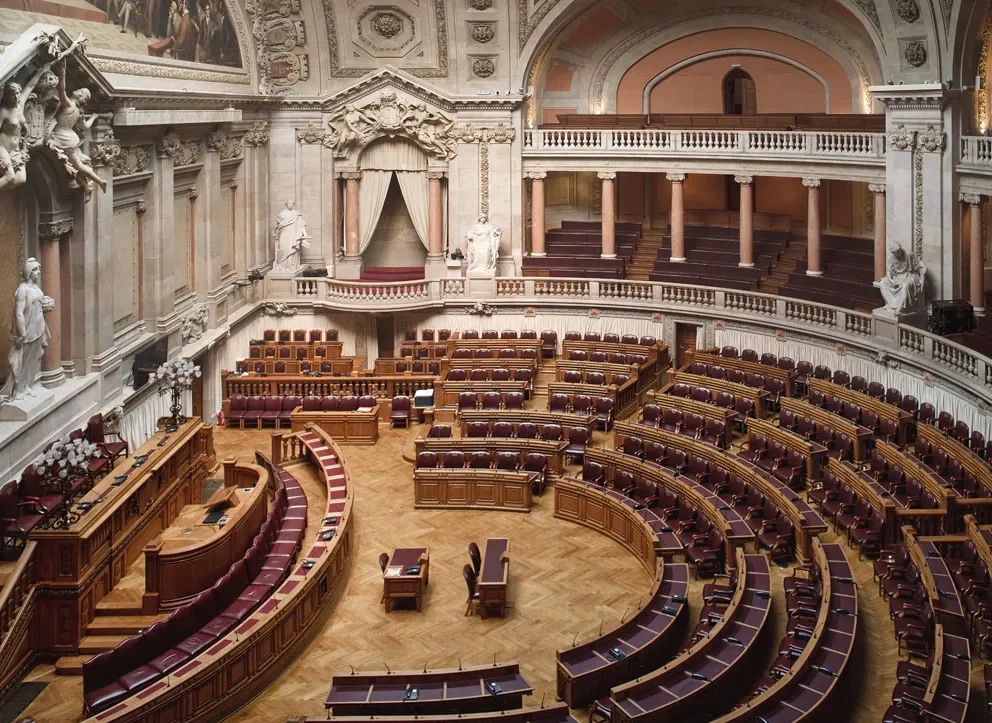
{"type": "Point", "coordinates": [290, 236]}
{"type": "Point", "coordinates": [13, 153]}
{"type": "Point", "coordinates": [64, 140]}
{"type": "Point", "coordinates": [28, 334]}
{"type": "Point", "coordinates": [482, 247]}
{"type": "Point", "coordinates": [902, 287]}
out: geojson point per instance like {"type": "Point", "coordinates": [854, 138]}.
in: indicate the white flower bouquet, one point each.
{"type": "Point", "coordinates": [175, 374]}
{"type": "Point", "coordinates": [67, 458]}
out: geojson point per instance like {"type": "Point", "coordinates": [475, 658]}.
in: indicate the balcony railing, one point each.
{"type": "Point", "coordinates": [820, 145]}
{"type": "Point", "coordinates": [931, 350]}
{"type": "Point", "coordinates": [976, 151]}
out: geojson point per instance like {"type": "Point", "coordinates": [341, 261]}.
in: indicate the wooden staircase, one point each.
{"type": "Point", "coordinates": [640, 266]}
{"type": "Point", "coordinates": [114, 623]}
{"type": "Point", "coordinates": [788, 261]}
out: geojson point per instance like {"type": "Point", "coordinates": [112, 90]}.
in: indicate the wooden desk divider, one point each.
{"type": "Point", "coordinates": [815, 454]}
{"type": "Point", "coordinates": [903, 419]}
{"type": "Point", "coordinates": [805, 520]}
{"type": "Point", "coordinates": [945, 601]}
{"type": "Point", "coordinates": [381, 387]}
{"type": "Point", "coordinates": [446, 393]}
{"type": "Point", "coordinates": [758, 396]}
{"type": "Point", "coordinates": [705, 410]}
{"type": "Point", "coordinates": [472, 489]}
{"type": "Point", "coordinates": [786, 376]}
{"type": "Point", "coordinates": [340, 367]}
{"type": "Point", "coordinates": [624, 397]}
{"type": "Point", "coordinates": [972, 463]}
{"type": "Point", "coordinates": [566, 420]}
{"type": "Point", "coordinates": [553, 450]}
{"type": "Point", "coordinates": [358, 427]}
{"type": "Point", "coordinates": [860, 436]}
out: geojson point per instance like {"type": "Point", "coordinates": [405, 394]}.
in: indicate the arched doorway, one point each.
{"type": "Point", "coordinates": [739, 95]}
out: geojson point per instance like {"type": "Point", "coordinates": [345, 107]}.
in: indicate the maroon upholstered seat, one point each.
{"type": "Point", "coordinates": [400, 411]}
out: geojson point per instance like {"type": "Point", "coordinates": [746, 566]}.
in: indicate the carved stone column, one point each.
{"type": "Point", "coordinates": [609, 214]}
{"type": "Point", "coordinates": [746, 221]}
{"type": "Point", "coordinates": [976, 258]}
{"type": "Point", "coordinates": [813, 265]}
{"type": "Point", "coordinates": [678, 216]}
{"type": "Point", "coordinates": [435, 266]}
{"type": "Point", "coordinates": [351, 265]}
{"type": "Point", "coordinates": [50, 234]}
{"type": "Point", "coordinates": [537, 213]}
{"type": "Point", "coordinates": [879, 190]}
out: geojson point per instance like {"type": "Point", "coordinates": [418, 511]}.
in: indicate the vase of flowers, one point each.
{"type": "Point", "coordinates": [65, 461]}
{"type": "Point", "coordinates": [175, 377]}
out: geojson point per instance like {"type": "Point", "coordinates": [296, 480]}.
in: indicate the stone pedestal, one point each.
{"type": "Point", "coordinates": [349, 267]}
{"type": "Point", "coordinates": [480, 286]}
{"type": "Point", "coordinates": [435, 267]}
{"type": "Point", "coordinates": [453, 268]}
{"type": "Point", "coordinates": [885, 323]}
{"type": "Point", "coordinates": [27, 408]}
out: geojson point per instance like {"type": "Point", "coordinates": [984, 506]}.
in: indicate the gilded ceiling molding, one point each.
{"type": "Point", "coordinates": [632, 41]}
{"type": "Point", "coordinates": [334, 49]}
{"type": "Point", "coordinates": [983, 67]}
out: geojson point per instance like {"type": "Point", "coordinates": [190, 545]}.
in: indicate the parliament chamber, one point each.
{"type": "Point", "coordinates": [479, 361]}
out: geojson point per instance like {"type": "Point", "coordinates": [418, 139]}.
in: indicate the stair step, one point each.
{"type": "Point", "coordinates": [117, 607]}
{"type": "Point", "coordinates": [71, 664]}
{"type": "Point", "coordinates": [122, 624]}
{"type": "Point", "coordinates": [92, 644]}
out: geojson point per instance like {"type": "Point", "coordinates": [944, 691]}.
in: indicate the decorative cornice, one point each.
{"type": "Point", "coordinates": [811, 182]}
{"type": "Point", "coordinates": [920, 96]}
{"type": "Point", "coordinates": [258, 134]}
{"type": "Point", "coordinates": [607, 175]}
{"type": "Point", "coordinates": [676, 177]}
{"type": "Point", "coordinates": [434, 175]}
{"type": "Point", "coordinates": [148, 70]}
{"type": "Point", "coordinates": [930, 140]}
{"type": "Point", "coordinates": [51, 230]}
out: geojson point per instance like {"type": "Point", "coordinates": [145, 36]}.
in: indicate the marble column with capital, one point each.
{"type": "Point", "coordinates": [976, 260]}
{"type": "Point", "coordinates": [678, 216]}
{"type": "Point", "coordinates": [50, 235]}
{"type": "Point", "coordinates": [351, 265]}
{"type": "Point", "coordinates": [435, 266]}
{"type": "Point", "coordinates": [746, 220]}
{"type": "Point", "coordinates": [878, 189]}
{"type": "Point", "coordinates": [813, 264]}
{"type": "Point", "coordinates": [537, 221]}
{"type": "Point", "coordinates": [609, 213]}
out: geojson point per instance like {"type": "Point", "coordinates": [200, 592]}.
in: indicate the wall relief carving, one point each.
{"type": "Point", "coordinates": [480, 4]}
{"type": "Point", "coordinates": [226, 146]}
{"type": "Point", "coordinates": [351, 128]}
{"type": "Point", "coordinates": [907, 10]}
{"type": "Point", "coordinates": [901, 139]}
{"type": "Point", "coordinates": [483, 32]}
{"type": "Point", "coordinates": [258, 134]}
{"type": "Point", "coordinates": [930, 140]}
{"type": "Point", "coordinates": [280, 37]}
{"type": "Point", "coordinates": [193, 323]}
{"type": "Point", "coordinates": [182, 153]}
{"type": "Point", "coordinates": [483, 67]}
{"type": "Point", "coordinates": [387, 25]}
{"type": "Point", "coordinates": [132, 159]}
{"type": "Point", "coordinates": [915, 53]}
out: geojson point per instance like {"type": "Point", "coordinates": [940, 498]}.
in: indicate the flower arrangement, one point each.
{"type": "Point", "coordinates": [66, 460]}
{"type": "Point", "coordinates": [175, 376]}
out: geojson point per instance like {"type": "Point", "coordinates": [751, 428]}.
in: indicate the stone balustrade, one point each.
{"type": "Point", "coordinates": [928, 351]}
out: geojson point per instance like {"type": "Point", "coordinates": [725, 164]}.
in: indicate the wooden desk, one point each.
{"type": "Point", "coordinates": [659, 349]}
{"type": "Point", "coordinates": [972, 463]}
{"type": "Point", "coordinates": [948, 689]}
{"type": "Point", "coordinates": [511, 364]}
{"type": "Point", "coordinates": [332, 349]}
{"type": "Point", "coordinates": [937, 580]}
{"type": "Point", "coordinates": [446, 393]}
{"type": "Point", "coordinates": [552, 713]}
{"type": "Point", "coordinates": [554, 451]}
{"type": "Point", "coordinates": [76, 568]}
{"type": "Point", "coordinates": [177, 568]}
{"type": "Point", "coordinates": [806, 522]}
{"type": "Point", "coordinates": [646, 373]}
{"type": "Point", "coordinates": [386, 366]}
{"type": "Point", "coordinates": [815, 454]}
{"type": "Point", "coordinates": [516, 416]}
{"type": "Point", "coordinates": [860, 436]}
{"type": "Point", "coordinates": [381, 387]}
{"type": "Point", "coordinates": [461, 690]}
{"type": "Point", "coordinates": [493, 577]}
{"type": "Point", "coordinates": [338, 367]}
{"type": "Point", "coordinates": [758, 396]}
{"type": "Point", "coordinates": [901, 418]}
{"type": "Point", "coordinates": [397, 584]}
{"type": "Point", "coordinates": [472, 489]}
{"type": "Point", "coordinates": [707, 411]}
{"type": "Point", "coordinates": [786, 376]}
{"type": "Point", "coordinates": [586, 672]}
{"type": "Point", "coordinates": [494, 344]}
{"type": "Point", "coordinates": [345, 427]}
{"type": "Point", "coordinates": [624, 397]}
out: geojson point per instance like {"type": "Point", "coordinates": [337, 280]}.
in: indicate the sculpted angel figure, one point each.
{"type": "Point", "coordinates": [353, 127]}
{"type": "Point", "coordinates": [64, 137]}
{"type": "Point", "coordinates": [13, 156]}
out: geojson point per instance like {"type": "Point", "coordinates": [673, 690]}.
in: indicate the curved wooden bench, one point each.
{"type": "Point", "coordinates": [706, 669]}
{"type": "Point", "coordinates": [937, 580]}
{"type": "Point", "coordinates": [806, 522]}
{"type": "Point", "coordinates": [758, 396]}
{"type": "Point", "coordinates": [860, 436]}
{"type": "Point", "coordinates": [814, 453]}
{"type": "Point", "coordinates": [787, 376]}
{"type": "Point", "coordinates": [539, 417]}
{"type": "Point", "coordinates": [815, 673]}
{"type": "Point", "coordinates": [456, 690]}
{"type": "Point", "coordinates": [972, 463]}
{"type": "Point", "coordinates": [705, 410]}
{"type": "Point", "coordinates": [556, 713]}
{"type": "Point", "coordinates": [553, 450]}
{"type": "Point", "coordinates": [242, 663]}
{"type": "Point", "coordinates": [902, 419]}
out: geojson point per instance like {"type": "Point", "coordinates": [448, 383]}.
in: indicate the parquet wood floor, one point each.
{"type": "Point", "coordinates": [565, 582]}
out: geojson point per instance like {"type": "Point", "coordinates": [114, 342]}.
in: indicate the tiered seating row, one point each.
{"type": "Point", "coordinates": [239, 409]}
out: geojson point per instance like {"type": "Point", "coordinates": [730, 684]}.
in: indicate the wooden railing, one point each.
{"type": "Point", "coordinates": [18, 604]}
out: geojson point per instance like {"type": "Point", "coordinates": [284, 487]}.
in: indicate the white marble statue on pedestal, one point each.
{"type": "Point", "coordinates": [482, 248]}
{"type": "Point", "coordinates": [902, 287]}
{"type": "Point", "coordinates": [290, 236]}
{"type": "Point", "coordinates": [28, 335]}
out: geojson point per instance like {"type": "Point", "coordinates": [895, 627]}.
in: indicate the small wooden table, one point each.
{"type": "Point", "coordinates": [398, 584]}
{"type": "Point", "coordinates": [493, 577]}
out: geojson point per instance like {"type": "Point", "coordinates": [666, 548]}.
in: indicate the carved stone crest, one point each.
{"type": "Point", "coordinates": [388, 25]}
{"type": "Point", "coordinates": [483, 32]}
{"type": "Point", "coordinates": [132, 159]}
{"type": "Point", "coordinates": [901, 139]}
{"type": "Point", "coordinates": [907, 10]}
{"type": "Point", "coordinates": [480, 4]}
{"type": "Point", "coordinates": [168, 145]}
{"type": "Point", "coordinates": [915, 53]}
{"type": "Point", "coordinates": [931, 140]}
{"type": "Point", "coordinates": [194, 323]}
{"type": "Point", "coordinates": [107, 151]}
{"type": "Point", "coordinates": [258, 134]}
{"type": "Point", "coordinates": [225, 145]}
{"type": "Point", "coordinates": [483, 67]}
{"type": "Point", "coordinates": [279, 37]}
{"type": "Point", "coordinates": [350, 127]}
{"type": "Point", "coordinates": [279, 308]}
{"type": "Point", "coordinates": [499, 133]}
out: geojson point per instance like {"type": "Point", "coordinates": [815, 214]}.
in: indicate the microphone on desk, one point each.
{"type": "Point", "coordinates": [352, 668]}
{"type": "Point", "coordinates": [542, 700]}
{"type": "Point", "coordinates": [425, 665]}
{"type": "Point", "coordinates": [388, 671]}
{"type": "Point", "coordinates": [601, 625]}
{"type": "Point", "coordinates": [494, 660]}
{"type": "Point", "coordinates": [624, 617]}
{"type": "Point", "coordinates": [575, 638]}
{"type": "Point", "coordinates": [459, 663]}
